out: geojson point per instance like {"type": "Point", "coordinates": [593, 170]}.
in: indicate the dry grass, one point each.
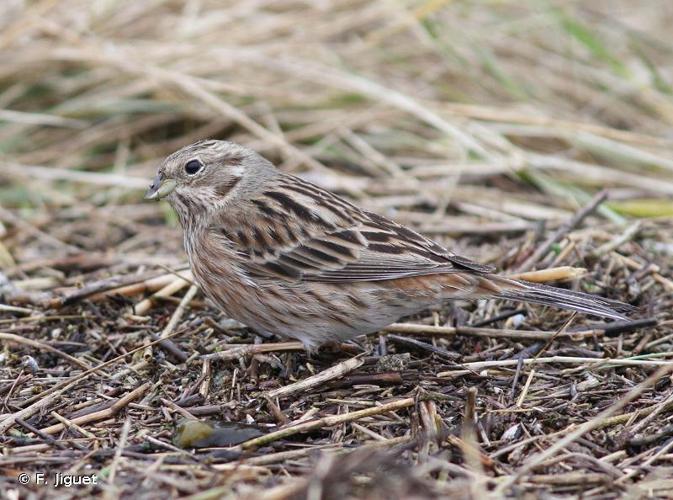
{"type": "Point", "coordinates": [487, 125]}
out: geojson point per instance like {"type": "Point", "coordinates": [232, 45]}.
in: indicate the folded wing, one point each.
{"type": "Point", "coordinates": [302, 232]}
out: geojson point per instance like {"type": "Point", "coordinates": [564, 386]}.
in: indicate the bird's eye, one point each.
{"type": "Point", "coordinates": [193, 166]}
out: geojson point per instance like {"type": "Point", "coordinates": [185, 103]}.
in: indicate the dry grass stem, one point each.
{"type": "Point", "coordinates": [334, 372]}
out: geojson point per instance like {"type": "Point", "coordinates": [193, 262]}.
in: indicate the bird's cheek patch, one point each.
{"type": "Point", "coordinates": [235, 169]}
{"type": "Point", "coordinates": [221, 190]}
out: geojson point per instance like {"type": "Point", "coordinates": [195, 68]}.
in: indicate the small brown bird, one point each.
{"type": "Point", "coordinates": [287, 257]}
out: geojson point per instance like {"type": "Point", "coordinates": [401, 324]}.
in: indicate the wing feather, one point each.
{"type": "Point", "coordinates": [302, 232]}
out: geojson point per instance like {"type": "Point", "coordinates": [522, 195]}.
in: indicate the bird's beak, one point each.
{"type": "Point", "coordinates": [160, 188]}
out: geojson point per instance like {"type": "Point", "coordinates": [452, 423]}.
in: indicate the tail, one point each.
{"type": "Point", "coordinates": [523, 291]}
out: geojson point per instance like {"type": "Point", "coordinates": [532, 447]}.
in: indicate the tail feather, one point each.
{"type": "Point", "coordinates": [522, 291]}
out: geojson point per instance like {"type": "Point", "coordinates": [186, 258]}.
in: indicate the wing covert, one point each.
{"type": "Point", "coordinates": [302, 232]}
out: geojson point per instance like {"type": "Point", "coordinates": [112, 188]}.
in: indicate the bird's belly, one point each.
{"type": "Point", "coordinates": [313, 313]}
{"type": "Point", "coordinates": [318, 314]}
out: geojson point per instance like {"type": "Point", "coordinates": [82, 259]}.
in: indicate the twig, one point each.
{"type": "Point", "coordinates": [10, 337]}
{"type": "Point", "coordinates": [594, 363]}
{"type": "Point", "coordinates": [629, 233]}
{"type": "Point", "coordinates": [177, 409]}
{"type": "Point", "coordinates": [459, 443]}
{"type": "Point", "coordinates": [47, 438]}
{"type": "Point", "coordinates": [15, 309]}
{"type": "Point", "coordinates": [575, 221]}
{"type": "Point", "coordinates": [236, 352]}
{"type": "Point", "coordinates": [470, 331]}
{"type": "Point", "coordinates": [609, 329]}
{"type": "Point", "coordinates": [171, 347]}
{"type": "Point", "coordinates": [179, 311]}
{"type": "Point", "coordinates": [69, 424]}
{"type": "Point", "coordinates": [588, 426]}
{"type": "Point", "coordinates": [206, 374]}
{"type": "Point", "coordinates": [334, 372]}
{"type": "Point", "coordinates": [524, 391]}
{"type": "Point", "coordinates": [626, 417]}
{"type": "Point", "coordinates": [115, 284]}
{"type": "Point", "coordinates": [172, 288]}
{"type": "Point", "coordinates": [118, 452]}
{"type": "Point", "coordinates": [327, 422]}
{"type": "Point", "coordinates": [102, 414]}
{"type": "Point", "coordinates": [498, 317]}
{"type": "Point", "coordinates": [424, 346]}
{"type": "Point", "coordinates": [47, 397]}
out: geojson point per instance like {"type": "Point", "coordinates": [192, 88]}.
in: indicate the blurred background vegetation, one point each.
{"type": "Point", "coordinates": [529, 106]}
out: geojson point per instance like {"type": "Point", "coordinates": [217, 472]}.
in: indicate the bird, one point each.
{"type": "Point", "coordinates": [287, 257]}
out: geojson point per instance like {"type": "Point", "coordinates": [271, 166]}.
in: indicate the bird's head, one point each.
{"type": "Point", "coordinates": [208, 175]}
